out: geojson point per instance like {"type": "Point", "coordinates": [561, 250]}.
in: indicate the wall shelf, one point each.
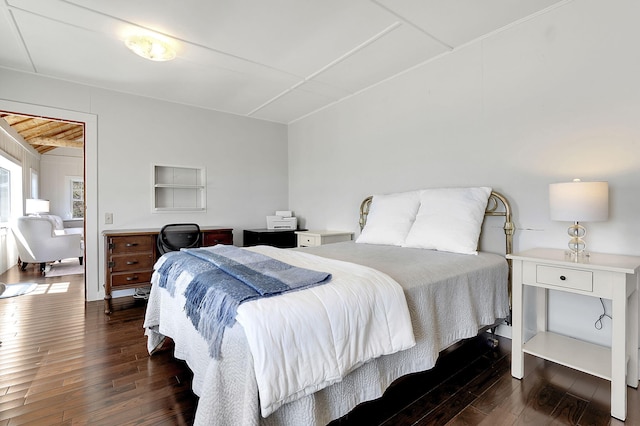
{"type": "Point", "coordinates": [177, 188]}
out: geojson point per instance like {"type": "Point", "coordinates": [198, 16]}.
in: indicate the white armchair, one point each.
{"type": "Point", "coordinates": [38, 243]}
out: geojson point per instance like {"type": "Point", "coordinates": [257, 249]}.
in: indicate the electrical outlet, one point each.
{"type": "Point", "coordinates": [108, 218]}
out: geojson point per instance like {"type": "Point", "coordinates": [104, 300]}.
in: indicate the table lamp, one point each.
{"type": "Point", "coordinates": [577, 202]}
{"type": "Point", "coordinates": [36, 206]}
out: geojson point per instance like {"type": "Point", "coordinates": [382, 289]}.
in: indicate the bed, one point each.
{"type": "Point", "coordinates": [446, 294]}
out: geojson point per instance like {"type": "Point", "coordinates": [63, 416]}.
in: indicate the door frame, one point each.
{"type": "Point", "coordinates": [93, 290]}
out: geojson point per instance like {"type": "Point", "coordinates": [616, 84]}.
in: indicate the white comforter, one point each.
{"type": "Point", "coordinates": [306, 340]}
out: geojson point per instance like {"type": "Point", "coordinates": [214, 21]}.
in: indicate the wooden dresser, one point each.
{"type": "Point", "coordinates": [131, 254]}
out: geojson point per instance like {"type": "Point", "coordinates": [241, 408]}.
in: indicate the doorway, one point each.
{"type": "Point", "coordinates": [93, 290]}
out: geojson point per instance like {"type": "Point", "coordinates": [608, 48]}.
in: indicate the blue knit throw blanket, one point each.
{"type": "Point", "coordinates": [223, 278]}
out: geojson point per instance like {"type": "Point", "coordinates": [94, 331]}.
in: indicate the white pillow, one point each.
{"type": "Point", "coordinates": [390, 218]}
{"type": "Point", "coordinates": [449, 219]}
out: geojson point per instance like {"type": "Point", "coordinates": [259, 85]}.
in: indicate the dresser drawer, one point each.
{"type": "Point", "coordinates": [130, 278]}
{"type": "Point", "coordinates": [211, 238]}
{"type": "Point", "coordinates": [569, 278]}
{"type": "Point", "coordinates": [131, 243]}
{"type": "Point", "coordinates": [131, 262]}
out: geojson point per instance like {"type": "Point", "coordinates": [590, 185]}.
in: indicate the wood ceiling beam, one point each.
{"type": "Point", "coordinates": [56, 142]}
{"type": "Point", "coordinates": [15, 119]}
{"type": "Point", "coordinates": [74, 133]}
{"type": "Point", "coordinates": [45, 129]}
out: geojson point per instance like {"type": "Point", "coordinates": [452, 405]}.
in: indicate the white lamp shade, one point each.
{"type": "Point", "coordinates": [579, 201]}
{"type": "Point", "coordinates": [35, 205]}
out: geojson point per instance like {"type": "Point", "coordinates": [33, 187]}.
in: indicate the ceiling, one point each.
{"type": "Point", "coordinates": [276, 60]}
{"type": "Point", "coordinates": [45, 134]}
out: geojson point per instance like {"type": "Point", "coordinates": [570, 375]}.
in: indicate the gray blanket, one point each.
{"type": "Point", "coordinates": [225, 277]}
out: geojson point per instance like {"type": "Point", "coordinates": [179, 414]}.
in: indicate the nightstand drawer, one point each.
{"type": "Point", "coordinates": [320, 238]}
{"type": "Point", "coordinates": [563, 277]}
{"type": "Point", "coordinates": [306, 240]}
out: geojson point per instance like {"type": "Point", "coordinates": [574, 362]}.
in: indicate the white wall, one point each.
{"type": "Point", "coordinates": [545, 101]}
{"type": "Point", "coordinates": [245, 159]}
{"type": "Point", "coordinates": [56, 168]}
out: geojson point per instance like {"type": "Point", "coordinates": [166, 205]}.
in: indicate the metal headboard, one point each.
{"type": "Point", "coordinates": [498, 205]}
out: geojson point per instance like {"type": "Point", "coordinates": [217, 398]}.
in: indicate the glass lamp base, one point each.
{"type": "Point", "coordinates": [576, 243]}
{"type": "Point", "coordinates": [577, 257]}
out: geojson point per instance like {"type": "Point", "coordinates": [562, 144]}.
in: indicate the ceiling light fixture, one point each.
{"type": "Point", "coordinates": [150, 47]}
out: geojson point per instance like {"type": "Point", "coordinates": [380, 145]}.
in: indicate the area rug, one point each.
{"type": "Point", "coordinates": [18, 289]}
{"type": "Point", "coordinates": [65, 267]}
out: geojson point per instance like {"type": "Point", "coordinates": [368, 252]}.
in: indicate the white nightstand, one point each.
{"type": "Point", "coordinates": [318, 238]}
{"type": "Point", "coordinates": [611, 277]}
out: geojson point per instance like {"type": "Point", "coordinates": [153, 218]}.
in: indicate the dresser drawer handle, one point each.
{"type": "Point", "coordinates": [134, 278]}
{"type": "Point", "coordinates": [134, 262]}
{"type": "Point", "coordinates": [131, 244]}
{"type": "Point", "coordinates": [562, 278]}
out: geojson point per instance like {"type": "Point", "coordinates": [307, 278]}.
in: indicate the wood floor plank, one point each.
{"type": "Point", "coordinates": [569, 411]}
{"type": "Point", "coordinates": [469, 416]}
{"type": "Point", "coordinates": [496, 394]}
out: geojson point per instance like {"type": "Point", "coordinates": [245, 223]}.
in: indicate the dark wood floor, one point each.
{"type": "Point", "coordinates": [62, 361]}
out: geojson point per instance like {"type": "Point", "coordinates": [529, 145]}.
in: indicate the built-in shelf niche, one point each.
{"type": "Point", "coordinates": [177, 188]}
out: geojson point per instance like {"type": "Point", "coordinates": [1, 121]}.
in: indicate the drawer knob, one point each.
{"type": "Point", "coordinates": [131, 244]}
{"type": "Point", "coordinates": [132, 262]}
{"type": "Point", "coordinates": [563, 278]}
{"type": "Point", "coordinates": [134, 278]}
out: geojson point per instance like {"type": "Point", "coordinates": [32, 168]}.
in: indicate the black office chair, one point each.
{"type": "Point", "coordinates": [175, 236]}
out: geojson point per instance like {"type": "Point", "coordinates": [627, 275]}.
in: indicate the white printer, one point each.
{"type": "Point", "coordinates": [283, 219]}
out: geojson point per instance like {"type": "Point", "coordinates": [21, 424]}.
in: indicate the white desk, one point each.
{"type": "Point", "coordinates": [611, 277]}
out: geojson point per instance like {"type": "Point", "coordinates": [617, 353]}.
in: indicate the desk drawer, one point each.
{"type": "Point", "coordinates": [130, 279]}
{"type": "Point", "coordinates": [131, 243]}
{"type": "Point", "coordinates": [131, 262]}
{"type": "Point", "coordinates": [563, 277]}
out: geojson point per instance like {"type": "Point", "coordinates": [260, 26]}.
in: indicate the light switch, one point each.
{"type": "Point", "coordinates": [108, 218]}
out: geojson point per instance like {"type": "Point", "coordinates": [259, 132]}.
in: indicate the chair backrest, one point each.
{"type": "Point", "coordinates": [58, 224]}
{"type": "Point", "coordinates": [34, 228]}
{"type": "Point", "coordinates": [175, 236]}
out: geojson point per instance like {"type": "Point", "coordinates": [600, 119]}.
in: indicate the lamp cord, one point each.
{"type": "Point", "coordinates": [598, 324]}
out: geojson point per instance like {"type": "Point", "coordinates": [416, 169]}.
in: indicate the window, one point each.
{"type": "Point", "coordinates": [34, 184]}
{"type": "Point", "coordinates": [77, 198]}
{"type": "Point", "coordinates": [10, 190]}
{"type": "Point", "coordinates": [5, 195]}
